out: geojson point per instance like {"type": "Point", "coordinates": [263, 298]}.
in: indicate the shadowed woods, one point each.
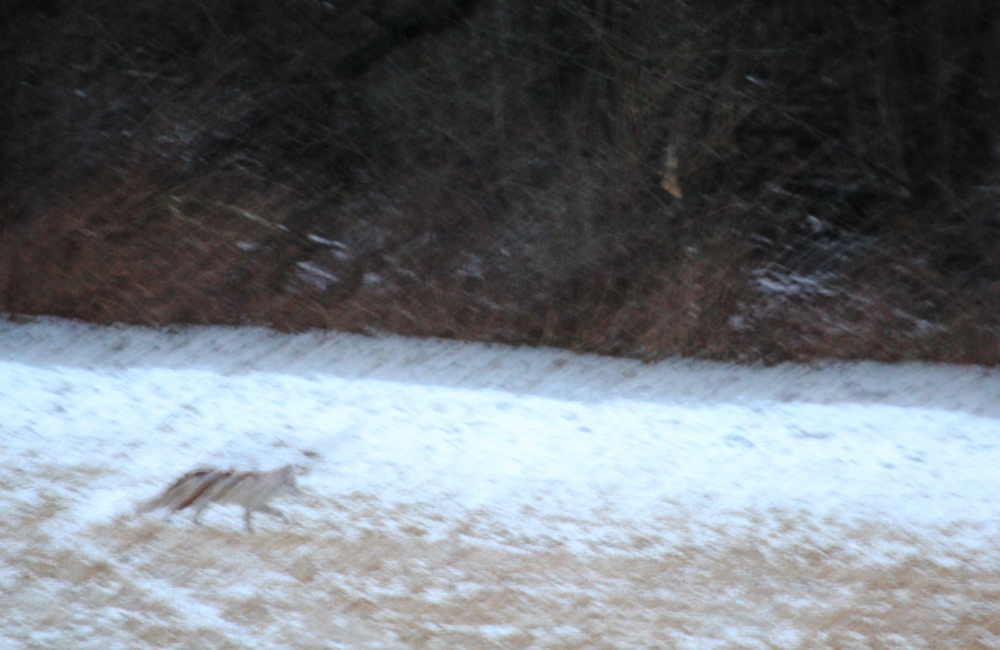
{"type": "Point", "coordinates": [742, 180]}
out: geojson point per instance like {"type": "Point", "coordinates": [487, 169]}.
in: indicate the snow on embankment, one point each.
{"type": "Point", "coordinates": [461, 495]}
{"type": "Point", "coordinates": [477, 426]}
{"type": "Point", "coordinates": [540, 372]}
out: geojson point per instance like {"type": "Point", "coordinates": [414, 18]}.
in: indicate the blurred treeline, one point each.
{"type": "Point", "coordinates": [739, 179]}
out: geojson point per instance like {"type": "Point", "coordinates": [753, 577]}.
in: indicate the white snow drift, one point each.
{"type": "Point", "coordinates": [504, 450]}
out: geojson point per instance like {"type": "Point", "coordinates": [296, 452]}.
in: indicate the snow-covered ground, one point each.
{"type": "Point", "coordinates": [468, 496]}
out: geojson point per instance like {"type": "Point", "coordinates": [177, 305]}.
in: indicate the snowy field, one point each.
{"type": "Point", "coordinates": [468, 496]}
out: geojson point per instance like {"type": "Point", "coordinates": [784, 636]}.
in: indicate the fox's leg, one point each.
{"type": "Point", "coordinates": [274, 512]}
{"type": "Point", "coordinates": [197, 513]}
{"type": "Point", "coordinates": [246, 516]}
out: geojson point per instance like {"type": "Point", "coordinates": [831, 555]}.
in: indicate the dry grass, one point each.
{"type": "Point", "coordinates": [361, 574]}
{"type": "Point", "coordinates": [196, 261]}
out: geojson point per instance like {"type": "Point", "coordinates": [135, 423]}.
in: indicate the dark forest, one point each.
{"type": "Point", "coordinates": [749, 180]}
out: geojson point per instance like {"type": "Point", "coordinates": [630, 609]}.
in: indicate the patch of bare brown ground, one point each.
{"type": "Point", "coordinates": [354, 572]}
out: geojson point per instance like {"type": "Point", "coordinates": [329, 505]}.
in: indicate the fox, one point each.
{"type": "Point", "coordinates": [201, 487]}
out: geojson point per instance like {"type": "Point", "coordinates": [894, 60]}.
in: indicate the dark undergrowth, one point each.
{"type": "Point", "coordinates": [745, 180]}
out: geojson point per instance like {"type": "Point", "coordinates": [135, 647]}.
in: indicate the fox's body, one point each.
{"type": "Point", "coordinates": [201, 487]}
